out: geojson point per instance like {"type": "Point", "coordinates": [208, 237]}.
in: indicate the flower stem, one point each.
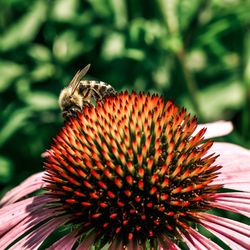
{"type": "Point", "coordinates": [190, 82]}
{"type": "Point", "coordinates": [169, 14]}
{"type": "Point", "coordinates": [246, 80]}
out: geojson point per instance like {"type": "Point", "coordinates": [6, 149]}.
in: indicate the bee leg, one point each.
{"type": "Point", "coordinates": [96, 95]}
{"type": "Point", "coordinates": [87, 104]}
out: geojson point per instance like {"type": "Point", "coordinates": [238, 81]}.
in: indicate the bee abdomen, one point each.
{"type": "Point", "coordinates": [99, 90]}
{"type": "Point", "coordinates": [107, 90]}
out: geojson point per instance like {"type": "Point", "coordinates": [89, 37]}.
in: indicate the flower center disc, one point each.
{"type": "Point", "coordinates": [131, 169]}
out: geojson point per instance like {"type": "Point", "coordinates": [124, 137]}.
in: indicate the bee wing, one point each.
{"type": "Point", "coordinates": [78, 77]}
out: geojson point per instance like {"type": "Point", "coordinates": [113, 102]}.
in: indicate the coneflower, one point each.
{"type": "Point", "coordinates": [132, 173]}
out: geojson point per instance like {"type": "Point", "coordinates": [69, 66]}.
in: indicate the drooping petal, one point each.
{"type": "Point", "coordinates": [25, 225]}
{"type": "Point", "coordinates": [133, 245]}
{"type": "Point", "coordinates": [235, 202]}
{"type": "Point", "coordinates": [235, 234]}
{"type": "Point", "coordinates": [87, 242]}
{"type": "Point", "coordinates": [36, 237]}
{"type": "Point", "coordinates": [166, 243]}
{"type": "Point", "coordinates": [196, 241]}
{"type": "Point", "coordinates": [215, 129]}
{"type": "Point", "coordinates": [116, 245]}
{"type": "Point", "coordinates": [12, 214]}
{"type": "Point", "coordinates": [229, 148]}
{"type": "Point", "coordinates": [236, 166]}
{"type": "Point", "coordinates": [66, 242]}
{"type": "Point", "coordinates": [30, 185]}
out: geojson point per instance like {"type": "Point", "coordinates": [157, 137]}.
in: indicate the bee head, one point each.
{"type": "Point", "coordinates": [71, 112]}
{"type": "Point", "coordinates": [69, 103]}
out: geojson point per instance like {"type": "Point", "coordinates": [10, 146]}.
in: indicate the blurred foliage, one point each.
{"type": "Point", "coordinates": [194, 52]}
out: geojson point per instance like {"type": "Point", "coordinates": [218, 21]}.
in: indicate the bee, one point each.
{"type": "Point", "coordinates": [81, 93]}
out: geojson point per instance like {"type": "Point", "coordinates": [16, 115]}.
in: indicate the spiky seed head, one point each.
{"type": "Point", "coordinates": [131, 170]}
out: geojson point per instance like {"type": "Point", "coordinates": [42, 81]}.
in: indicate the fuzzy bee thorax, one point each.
{"type": "Point", "coordinates": [67, 99]}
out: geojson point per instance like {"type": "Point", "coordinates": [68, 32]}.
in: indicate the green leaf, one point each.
{"type": "Point", "coordinates": [41, 100]}
{"type": "Point", "coordinates": [101, 8]}
{"type": "Point", "coordinates": [8, 72]}
{"type": "Point", "coordinates": [214, 100]}
{"type": "Point", "coordinates": [24, 29]}
{"type": "Point", "coordinates": [120, 13]}
{"type": "Point", "coordinates": [135, 54]}
{"type": "Point", "coordinates": [16, 121]}
{"type": "Point", "coordinates": [113, 46]}
{"type": "Point", "coordinates": [39, 53]}
{"type": "Point", "coordinates": [64, 10]}
{"type": "Point", "coordinates": [43, 72]}
{"type": "Point", "coordinates": [67, 46]}
{"type": "Point", "coordinates": [6, 169]}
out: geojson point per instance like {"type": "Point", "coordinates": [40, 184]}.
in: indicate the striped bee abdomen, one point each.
{"type": "Point", "coordinates": [96, 89]}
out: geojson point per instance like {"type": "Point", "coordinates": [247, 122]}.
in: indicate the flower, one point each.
{"type": "Point", "coordinates": [132, 173]}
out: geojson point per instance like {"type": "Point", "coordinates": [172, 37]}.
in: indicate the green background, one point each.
{"type": "Point", "coordinates": [196, 53]}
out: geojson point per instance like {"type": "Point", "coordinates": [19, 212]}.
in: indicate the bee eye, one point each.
{"type": "Point", "coordinates": [74, 111]}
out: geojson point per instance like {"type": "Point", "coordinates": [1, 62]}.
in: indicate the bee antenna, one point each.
{"type": "Point", "coordinates": [77, 78]}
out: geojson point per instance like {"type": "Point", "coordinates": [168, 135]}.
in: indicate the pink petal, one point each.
{"type": "Point", "coordinates": [196, 241]}
{"type": "Point", "coordinates": [22, 227]}
{"type": "Point", "coordinates": [230, 224]}
{"type": "Point", "coordinates": [215, 129]}
{"type": "Point", "coordinates": [36, 237]}
{"type": "Point", "coordinates": [235, 234]}
{"type": "Point", "coordinates": [166, 243]}
{"type": "Point", "coordinates": [87, 242]}
{"type": "Point", "coordinates": [239, 186]}
{"type": "Point", "coordinates": [31, 184]}
{"type": "Point", "coordinates": [12, 214]}
{"type": "Point", "coordinates": [234, 202]}
{"type": "Point", "coordinates": [133, 245]}
{"type": "Point", "coordinates": [65, 243]}
{"type": "Point", "coordinates": [236, 166]}
{"type": "Point", "coordinates": [116, 245]}
{"type": "Point", "coordinates": [47, 153]}
{"type": "Point", "coordinates": [229, 148]}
